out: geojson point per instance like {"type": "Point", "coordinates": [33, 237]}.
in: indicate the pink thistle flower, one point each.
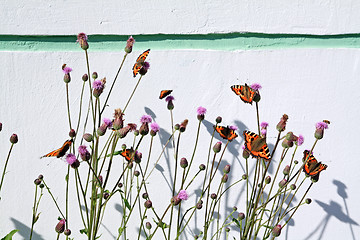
{"type": "Point", "coordinates": [183, 195]}
{"type": "Point", "coordinates": [146, 66]}
{"type": "Point", "coordinates": [264, 125]}
{"type": "Point", "coordinates": [256, 86]}
{"type": "Point", "coordinates": [322, 125]}
{"type": "Point", "coordinates": [201, 110]}
{"type": "Point", "coordinates": [107, 122]}
{"type": "Point", "coordinates": [82, 149]}
{"type": "Point", "coordinates": [145, 119]}
{"type": "Point", "coordinates": [243, 147]}
{"type": "Point", "coordinates": [81, 36]}
{"type": "Point", "coordinates": [98, 85]}
{"type": "Point", "coordinates": [67, 70]}
{"type": "Point", "coordinates": [263, 132]}
{"type": "Point", "coordinates": [169, 98]}
{"type": "Point", "coordinates": [155, 127]}
{"type": "Point", "coordinates": [300, 140]}
{"type": "Point", "coordinates": [70, 158]}
{"type": "Point", "coordinates": [234, 128]}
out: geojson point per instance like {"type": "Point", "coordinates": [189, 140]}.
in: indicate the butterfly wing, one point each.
{"type": "Point", "coordinates": [226, 132]}
{"type": "Point", "coordinates": [236, 89]}
{"type": "Point", "coordinates": [245, 92]}
{"type": "Point", "coordinates": [143, 56]}
{"type": "Point", "coordinates": [61, 151]}
{"type": "Point", "coordinates": [139, 62]}
{"type": "Point", "coordinates": [256, 145]}
{"type": "Point", "coordinates": [136, 68]}
{"type": "Point", "coordinates": [312, 167]}
{"type": "Point", "coordinates": [128, 154]}
{"type": "Point", "coordinates": [164, 93]}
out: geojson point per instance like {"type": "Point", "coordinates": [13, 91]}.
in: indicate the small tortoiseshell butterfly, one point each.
{"type": "Point", "coordinates": [312, 167]}
{"type": "Point", "coordinates": [139, 62]}
{"type": "Point", "coordinates": [61, 151]}
{"type": "Point", "coordinates": [128, 154]}
{"type": "Point", "coordinates": [326, 121]}
{"type": "Point", "coordinates": [226, 132]}
{"type": "Point", "coordinates": [165, 93]}
{"type": "Point", "coordinates": [245, 92]}
{"type": "Point", "coordinates": [256, 145]}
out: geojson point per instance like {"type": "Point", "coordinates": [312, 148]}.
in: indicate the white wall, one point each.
{"type": "Point", "coordinates": [308, 84]}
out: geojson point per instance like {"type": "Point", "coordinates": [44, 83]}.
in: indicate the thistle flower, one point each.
{"type": "Point", "coordinates": [107, 122]}
{"type": "Point", "coordinates": [129, 44]}
{"type": "Point", "coordinates": [282, 124]}
{"type": "Point", "coordinates": [183, 195]}
{"type": "Point", "coordinates": [60, 227]}
{"type": "Point", "coordinates": [299, 140]}
{"type": "Point", "coordinates": [256, 86]}
{"type": "Point", "coordinates": [145, 67]}
{"type": "Point", "coordinates": [72, 160]}
{"type": "Point", "coordinates": [201, 111]}
{"type": "Point", "coordinates": [234, 128]}
{"type": "Point", "coordinates": [170, 104]}
{"type": "Point", "coordinates": [144, 128]}
{"type": "Point", "coordinates": [66, 71]}
{"type": "Point", "coordinates": [13, 138]}
{"type": "Point", "coordinates": [82, 40]}
{"type": "Point", "coordinates": [154, 128]}
{"type": "Point", "coordinates": [98, 87]}
{"type": "Point", "coordinates": [84, 153]}
{"type": "Point", "coordinates": [319, 132]}
{"type": "Point", "coordinates": [263, 132]}
{"type": "Point", "coordinates": [264, 125]}
{"type": "Point", "coordinates": [145, 119]}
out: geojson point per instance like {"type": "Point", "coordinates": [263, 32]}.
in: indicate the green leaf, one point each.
{"type": "Point", "coordinates": [83, 231]}
{"type": "Point", "coordinates": [114, 154]}
{"type": "Point", "coordinates": [127, 204]}
{"type": "Point", "coordinates": [9, 236]}
{"type": "Point", "coordinates": [67, 178]}
{"type": "Point", "coordinates": [161, 224]}
{"type": "Point", "coordinates": [120, 230]}
{"type": "Point", "coordinates": [236, 222]}
{"type": "Point", "coordinates": [37, 218]}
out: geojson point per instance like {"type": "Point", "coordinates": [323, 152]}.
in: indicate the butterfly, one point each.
{"type": "Point", "coordinates": [128, 154]}
{"type": "Point", "coordinates": [256, 145]}
{"type": "Point", "coordinates": [326, 121]}
{"type": "Point", "coordinates": [226, 132]}
{"type": "Point", "coordinates": [312, 167]}
{"type": "Point", "coordinates": [245, 92]}
{"type": "Point", "coordinates": [165, 93]}
{"type": "Point", "coordinates": [61, 151]}
{"type": "Point", "coordinates": [139, 62]}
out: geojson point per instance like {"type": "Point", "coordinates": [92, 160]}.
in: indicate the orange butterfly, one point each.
{"type": "Point", "coordinates": [245, 92]}
{"type": "Point", "coordinates": [256, 145]}
{"type": "Point", "coordinates": [61, 151]}
{"type": "Point", "coordinates": [226, 132]}
{"type": "Point", "coordinates": [128, 154]}
{"type": "Point", "coordinates": [165, 93]}
{"type": "Point", "coordinates": [139, 62]}
{"type": "Point", "coordinates": [312, 167]}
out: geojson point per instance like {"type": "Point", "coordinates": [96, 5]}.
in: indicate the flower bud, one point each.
{"type": "Point", "coordinates": [292, 186]}
{"type": "Point", "coordinates": [291, 137]}
{"type": "Point", "coordinates": [234, 208]}
{"type": "Point", "coordinates": [225, 178]}
{"type": "Point", "coordinates": [106, 195]}
{"type": "Point", "coordinates": [183, 125]}
{"type": "Point", "coordinates": [287, 144]}
{"type": "Point", "coordinates": [177, 126]}
{"type": "Point", "coordinates": [88, 137]}
{"type": "Point", "coordinates": [183, 162]}
{"type": "Point", "coordinates": [244, 176]}
{"type": "Point", "coordinates": [267, 180]}
{"type": "Point", "coordinates": [14, 138]}
{"type": "Point", "coordinates": [136, 173]}
{"type": "Point", "coordinates": [199, 205]}
{"type": "Point", "coordinates": [213, 196]}
{"type": "Point", "coordinates": [175, 200]}
{"type": "Point", "coordinates": [282, 124]}
{"type": "Point", "coordinates": [144, 129]}
{"type": "Point", "coordinates": [286, 170]}
{"type": "Point", "coordinates": [130, 165]}
{"type": "Point", "coordinates": [296, 162]}
{"type": "Point", "coordinates": [101, 130]}
{"type": "Point", "coordinates": [170, 105]}
{"type": "Point", "coordinates": [85, 77]}
{"type": "Point", "coordinates": [241, 216]}
{"type": "Point", "coordinates": [282, 183]}
{"type": "Point", "coordinates": [67, 78]}
{"type": "Point", "coordinates": [75, 164]}
{"type": "Point", "coordinates": [37, 181]}
{"type": "Point", "coordinates": [120, 185]}
{"type": "Point", "coordinates": [72, 133]}
{"type": "Point", "coordinates": [118, 123]}
{"type": "Point", "coordinates": [217, 147]}
{"type": "Point", "coordinates": [308, 200]}
{"type": "Point", "coordinates": [276, 231]}
{"type": "Point", "coordinates": [202, 167]}
{"type": "Point", "coordinates": [138, 156]}
{"type": "Point", "coordinates": [143, 70]}
{"type": "Point", "coordinates": [257, 97]}
{"type": "Point", "coordinates": [226, 169]}
{"type": "Point", "coordinates": [227, 229]}
{"type": "Point", "coordinates": [94, 75]}
{"type": "Point", "coordinates": [145, 195]}
{"type": "Point", "coordinates": [129, 44]}
{"type": "Point", "coordinates": [60, 227]}
{"type": "Point", "coordinates": [148, 204]}
{"type": "Point", "coordinates": [148, 225]}
{"type": "Point", "coordinates": [0, 126]}
{"type": "Point", "coordinates": [246, 154]}
{"type": "Point", "coordinates": [42, 185]}
{"type": "Point", "coordinates": [67, 232]}
{"type": "Point", "coordinates": [40, 177]}
{"type": "Point", "coordinates": [319, 133]}
{"type": "Point", "coordinates": [136, 132]}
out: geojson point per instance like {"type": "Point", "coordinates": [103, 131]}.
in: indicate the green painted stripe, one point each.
{"type": "Point", "coordinates": [226, 41]}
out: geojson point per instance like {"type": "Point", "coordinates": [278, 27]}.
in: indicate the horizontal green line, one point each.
{"type": "Point", "coordinates": [225, 41]}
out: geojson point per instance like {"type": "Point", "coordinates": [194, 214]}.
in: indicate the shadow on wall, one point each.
{"type": "Point", "coordinates": [24, 230]}
{"type": "Point", "coordinates": [334, 209]}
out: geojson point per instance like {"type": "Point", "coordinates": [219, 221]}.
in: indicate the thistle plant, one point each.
{"type": "Point", "coordinates": [98, 141]}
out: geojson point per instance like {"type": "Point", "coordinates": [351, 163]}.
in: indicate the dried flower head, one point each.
{"type": "Point", "coordinates": [129, 44]}
{"type": "Point", "coordinates": [82, 40]}
{"type": "Point", "coordinates": [282, 124]}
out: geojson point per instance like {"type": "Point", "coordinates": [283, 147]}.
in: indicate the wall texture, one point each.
{"type": "Point", "coordinates": [304, 53]}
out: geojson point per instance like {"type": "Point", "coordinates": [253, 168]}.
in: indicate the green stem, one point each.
{"type": "Point", "coordinates": [57, 206]}
{"type": "Point", "coordinates": [6, 163]}
{"type": "Point", "coordinates": [68, 104]}
{"type": "Point", "coordinates": [34, 213]}
{"type": "Point", "coordinates": [132, 94]}
{"type": "Point", "coordinates": [193, 155]}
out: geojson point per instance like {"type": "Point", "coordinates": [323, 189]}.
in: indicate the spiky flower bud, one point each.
{"type": "Point", "coordinates": [60, 227]}
{"type": "Point", "coordinates": [136, 132]}
{"type": "Point", "coordinates": [148, 225]}
{"type": "Point", "coordinates": [202, 167]}
{"type": "Point", "coordinates": [217, 147]}
{"type": "Point", "coordinates": [67, 232]}
{"type": "Point", "coordinates": [120, 185]}
{"type": "Point", "coordinates": [101, 130]}
{"type": "Point", "coordinates": [218, 119]}
{"type": "Point", "coordinates": [67, 77]}
{"type": "Point", "coordinates": [94, 75]}
{"type": "Point", "coordinates": [282, 183]}
{"type": "Point", "coordinates": [37, 181]}
{"type": "Point", "coordinates": [40, 177]}
{"type": "Point", "coordinates": [14, 138]}
{"type": "Point", "coordinates": [241, 216]}
{"type": "Point", "coordinates": [118, 123]}
{"type": "Point", "coordinates": [227, 169]}
{"type": "Point", "coordinates": [183, 162]}
{"type": "Point", "coordinates": [42, 185]}
{"type": "Point", "coordinates": [85, 77]}
{"type": "Point", "coordinates": [136, 173]}
{"type": "Point", "coordinates": [106, 195]}
{"type": "Point", "coordinates": [225, 178]}
{"type": "Point", "coordinates": [175, 200]}
{"type": "Point", "coordinates": [291, 137]}
{"type": "Point", "coordinates": [267, 180]}
{"type": "Point", "coordinates": [148, 204]}
{"type": "Point", "coordinates": [276, 231]}
{"type": "Point", "coordinates": [183, 125]}
{"type": "Point", "coordinates": [244, 176]}
{"type": "Point", "coordinates": [292, 186]}
{"type": "Point", "coordinates": [287, 144]}
{"type": "Point", "coordinates": [177, 126]}
{"type": "Point", "coordinates": [213, 196]}
{"type": "Point", "coordinates": [129, 44]}
{"type": "Point", "coordinates": [144, 129]}
{"type": "Point", "coordinates": [88, 137]}
{"type": "Point", "coordinates": [286, 170]}
{"type": "Point", "coordinates": [82, 40]}
{"type": "Point", "coordinates": [308, 200]}
{"type": "Point", "coordinates": [199, 205]}
{"type": "Point", "coordinates": [227, 229]}
{"type": "Point", "coordinates": [145, 195]}
{"type": "Point", "coordinates": [72, 133]}
{"type": "Point", "coordinates": [282, 124]}
{"type": "Point", "coordinates": [246, 154]}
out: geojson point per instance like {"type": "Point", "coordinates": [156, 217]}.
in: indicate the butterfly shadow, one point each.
{"type": "Point", "coordinates": [164, 140]}
{"type": "Point", "coordinates": [150, 112]}
{"type": "Point", "coordinates": [332, 210]}
{"type": "Point", "coordinates": [24, 230]}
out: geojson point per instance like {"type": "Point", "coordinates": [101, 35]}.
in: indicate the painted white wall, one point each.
{"type": "Point", "coordinates": [308, 84]}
